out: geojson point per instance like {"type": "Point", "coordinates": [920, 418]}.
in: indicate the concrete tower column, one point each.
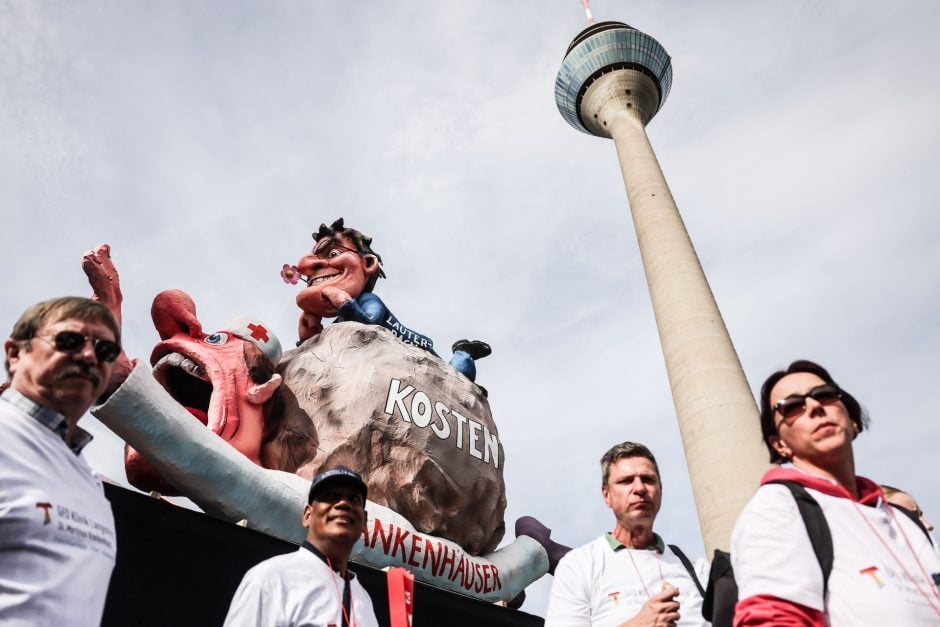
{"type": "Point", "coordinates": [612, 82]}
{"type": "Point", "coordinates": [717, 415]}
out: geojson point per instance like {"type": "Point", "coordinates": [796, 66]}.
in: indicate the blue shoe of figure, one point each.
{"type": "Point", "coordinates": [466, 352]}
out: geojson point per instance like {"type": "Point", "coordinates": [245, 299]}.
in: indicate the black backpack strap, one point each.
{"type": "Point", "coordinates": [914, 518]}
{"type": "Point", "coordinates": [721, 594]}
{"type": "Point", "coordinates": [688, 566]}
{"type": "Point", "coordinates": [816, 527]}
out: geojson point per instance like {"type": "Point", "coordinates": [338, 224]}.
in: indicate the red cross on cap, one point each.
{"type": "Point", "coordinates": [258, 332]}
{"type": "Point", "coordinates": [251, 330]}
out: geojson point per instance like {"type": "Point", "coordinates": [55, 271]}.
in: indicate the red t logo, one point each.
{"type": "Point", "coordinates": [45, 508]}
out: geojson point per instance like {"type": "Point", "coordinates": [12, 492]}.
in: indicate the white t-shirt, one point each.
{"type": "Point", "coordinates": [598, 586]}
{"type": "Point", "coordinates": [57, 541]}
{"type": "Point", "coordinates": [772, 555]}
{"type": "Point", "coordinates": [297, 589]}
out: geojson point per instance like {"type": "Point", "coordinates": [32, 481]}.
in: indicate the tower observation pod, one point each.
{"type": "Point", "coordinates": [612, 82]}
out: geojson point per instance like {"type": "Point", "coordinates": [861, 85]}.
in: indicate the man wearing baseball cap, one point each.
{"type": "Point", "coordinates": [312, 586]}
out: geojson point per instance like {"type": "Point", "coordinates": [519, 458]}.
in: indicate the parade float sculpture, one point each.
{"type": "Point", "coordinates": [355, 394]}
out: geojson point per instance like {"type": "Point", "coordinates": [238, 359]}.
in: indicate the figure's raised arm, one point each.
{"type": "Point", "coordinates": [308, 326]}
{"type": "Point", "coordinates": [104, 280]}
{"type": "Point", "coordinates": [106, 289]}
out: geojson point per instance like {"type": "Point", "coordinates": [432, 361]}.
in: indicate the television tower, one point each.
{"type": "Point", "coordinates": [612, 82]}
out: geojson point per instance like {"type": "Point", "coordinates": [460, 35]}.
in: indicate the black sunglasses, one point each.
{"type": "Point", "coordinates": [793, 406]}
{"type": "Point", "coordinates": [73, 341]}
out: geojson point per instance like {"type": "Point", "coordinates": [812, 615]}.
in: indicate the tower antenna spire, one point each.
{"type": "Point", "coordinates": [587, 11]}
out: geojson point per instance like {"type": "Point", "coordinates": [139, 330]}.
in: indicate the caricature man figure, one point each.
{"type": "Point", "coordinates": [341, 272]}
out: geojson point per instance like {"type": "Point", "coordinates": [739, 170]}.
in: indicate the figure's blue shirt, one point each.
{"type": "Point", "coordinates": [369, 309]}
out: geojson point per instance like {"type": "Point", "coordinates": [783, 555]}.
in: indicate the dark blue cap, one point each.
{"type": "Point", "coordinates": [339, 474]}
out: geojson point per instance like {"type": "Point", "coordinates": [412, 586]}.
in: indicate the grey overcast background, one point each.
{"type": "Point", "coordinates": [206, 140]}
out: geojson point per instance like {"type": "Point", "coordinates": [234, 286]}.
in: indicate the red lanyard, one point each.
{"type": "Point", "coordinates": [659, 559]}
{"type": "Point", "coordinates": [339, 597]}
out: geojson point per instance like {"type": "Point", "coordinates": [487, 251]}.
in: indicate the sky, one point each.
{"type": "Point", "coordinates": [206, 140]}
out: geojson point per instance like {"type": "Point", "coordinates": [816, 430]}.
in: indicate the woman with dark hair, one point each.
{"type": "Point", "coordinates": [884, 569]}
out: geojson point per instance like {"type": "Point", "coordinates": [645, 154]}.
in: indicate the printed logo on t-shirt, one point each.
{"type": "Point", "coordinates": [872, 571]}
{"type": "Point", "coordinates": [45, 507]}
{"type": "Point", "coordinates": [614, 596]}
{"type": "Point", "coordinates": [80, 528]}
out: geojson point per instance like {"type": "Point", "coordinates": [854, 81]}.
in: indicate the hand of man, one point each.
{"type": "Point", "coordinates": [335, 296]}
{"type": "Point", "coordinates": [661, 610]}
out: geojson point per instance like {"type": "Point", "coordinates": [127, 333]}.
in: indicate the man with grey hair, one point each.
{"type": "Point", "coordinates": [628, 576]}
{"type": "Point", "coordinates": [57, 542]}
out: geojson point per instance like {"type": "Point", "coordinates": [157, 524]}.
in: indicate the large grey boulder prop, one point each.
{"type": "Point", "coordinates": [420, 433]}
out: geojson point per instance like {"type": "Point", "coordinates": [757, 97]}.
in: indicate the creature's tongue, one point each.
{"type": "Point", "coordinates": [202, 416]}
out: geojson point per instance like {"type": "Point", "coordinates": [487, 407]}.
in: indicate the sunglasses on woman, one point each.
{"type": "Point", "coordinates": [72, 342]}
{"type": "Point", "coordinates": [793, 406]}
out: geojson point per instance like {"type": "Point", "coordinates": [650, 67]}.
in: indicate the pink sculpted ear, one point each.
{"type": "Point", "coordinates": [174, 312]}
{"type": "Point", "coordinates": [262, 392]}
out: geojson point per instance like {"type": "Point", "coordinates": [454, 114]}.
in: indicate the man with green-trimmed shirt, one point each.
{"type": "Point", "coordinates": [628, 576]}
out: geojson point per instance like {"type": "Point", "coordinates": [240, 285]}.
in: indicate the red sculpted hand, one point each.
{"type": "Point", "coordinates": [106, 289]}
{"type": "Point", "coordinates": [662, 610]}
{"type": "Point", "coordinates": [335, 296]}
{"type": "Point", "coordinates": [103, 278]}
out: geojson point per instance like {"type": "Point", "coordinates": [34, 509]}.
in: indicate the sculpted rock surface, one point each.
{"type": "Point", "coordinates": [419, 432]}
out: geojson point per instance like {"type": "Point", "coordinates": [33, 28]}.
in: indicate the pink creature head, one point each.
{"type": "Point", "coordinates": [224, 379]}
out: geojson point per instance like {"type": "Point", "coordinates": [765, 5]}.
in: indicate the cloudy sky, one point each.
{"type": "Point", "coordinates": [205, 141]}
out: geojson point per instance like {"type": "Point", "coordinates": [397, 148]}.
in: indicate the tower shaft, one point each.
{"type": "Point", "coordinates": [612, 81]}
{"type": "Point", "coordinates": [718, 419]}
